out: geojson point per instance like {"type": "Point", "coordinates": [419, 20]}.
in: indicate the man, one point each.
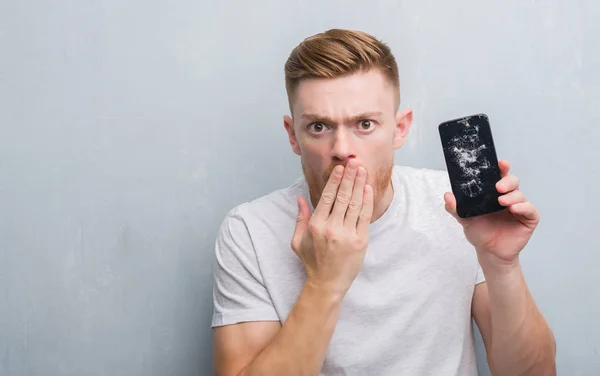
{"type": "Point", "coordinates": [362, 267]}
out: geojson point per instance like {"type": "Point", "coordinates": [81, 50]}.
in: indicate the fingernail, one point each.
{"type": "Point", "coordinates": [361, 172]}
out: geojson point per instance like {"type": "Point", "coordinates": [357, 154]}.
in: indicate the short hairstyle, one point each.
{"type": "Point", "coordinates": [337, 53]}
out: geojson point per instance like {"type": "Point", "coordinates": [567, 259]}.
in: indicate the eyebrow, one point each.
{"type": "Point", "coordinates": [352, 119]}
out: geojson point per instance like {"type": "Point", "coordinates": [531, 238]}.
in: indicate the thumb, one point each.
{"type": "Point", "coordinates": [450, 203]}
{"type": "Point", "coordinates": [450, 206]}
{"type": "Point", "coordinates": [301, 222]}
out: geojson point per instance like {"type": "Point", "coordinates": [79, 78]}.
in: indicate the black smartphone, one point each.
{"type": "Point", "coordinates": [472, 164]}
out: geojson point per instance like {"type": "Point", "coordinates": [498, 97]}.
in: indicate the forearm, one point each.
{"type": "Point", "coordinates": [300, 346]}
{"type": "Point", "coordinates": [522, 343]}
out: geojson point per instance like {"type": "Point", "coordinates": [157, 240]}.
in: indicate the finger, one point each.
{"type": "Point", "coordinates": [527, 213]}
{"type": "Point", "coordinates": [366, 212]}
{"type": "Point", "coordinates": [301, 223]}
{"type": "Point", "coordinates": [507, 184]}
{"type": "Point", "coordinates": [504, 167]}
{"type": "Point", "coordinates": [329, 193]}
{"type": "Point", "coordinates": [450, 204]}
{"type": "Point", "coordinates": [344, 193]}
{"type": "Point", "coordinates": [511, 198]}
{"type": "Point", "coordinates": [355, 204]}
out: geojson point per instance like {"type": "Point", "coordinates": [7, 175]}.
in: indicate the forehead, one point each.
{"type": "Point", "coordinates": [345, 96]}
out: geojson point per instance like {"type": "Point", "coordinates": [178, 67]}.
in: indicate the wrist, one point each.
{"type": "Point", "coordinates": [323, 294]}
{"type": "Point", "coordinates": [494, 265]}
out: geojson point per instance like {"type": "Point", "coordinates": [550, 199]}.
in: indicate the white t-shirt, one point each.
{"type": "Point", "coordinates": [408, 312]}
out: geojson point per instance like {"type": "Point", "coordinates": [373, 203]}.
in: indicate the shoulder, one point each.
{"type": "Point", "coordinates": [427, 180]}
{"type": "Point", "coordinates": [423, 190]}
{"type": "Point", "coordinates": [276, 205]}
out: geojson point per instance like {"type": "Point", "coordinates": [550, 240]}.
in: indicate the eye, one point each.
{"type": "Point", "coordinates": [317, 127]}
{"type": "Point", "coordinates": [366, 125]}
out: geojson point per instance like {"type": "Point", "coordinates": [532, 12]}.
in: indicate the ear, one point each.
{"type": "Point", "coordinates": [403, 122]}
{"type": "Point", "coordinates": [288, 123]}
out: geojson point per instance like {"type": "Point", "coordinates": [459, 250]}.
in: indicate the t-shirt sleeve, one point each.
{"type": "Point", "coordinates": [239, 292]}
{"type": "Point", "coordinates": [442, 186]}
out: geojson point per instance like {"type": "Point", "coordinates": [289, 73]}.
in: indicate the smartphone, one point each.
{"type": "Point", "coordinates": [472, 164]}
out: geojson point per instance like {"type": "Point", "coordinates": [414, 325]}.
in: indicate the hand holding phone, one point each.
{"type": "Point", "coordinates": [472, 164]}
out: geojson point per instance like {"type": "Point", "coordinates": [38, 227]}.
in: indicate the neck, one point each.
{"type": "Point", "coordinates": [383, 202]}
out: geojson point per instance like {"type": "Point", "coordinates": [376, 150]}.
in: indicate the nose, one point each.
{"type": "Point", "coordinates": [342, 149]}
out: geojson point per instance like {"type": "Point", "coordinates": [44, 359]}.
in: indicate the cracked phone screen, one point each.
{"type": "Point", "coordinates": [472, 164]}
